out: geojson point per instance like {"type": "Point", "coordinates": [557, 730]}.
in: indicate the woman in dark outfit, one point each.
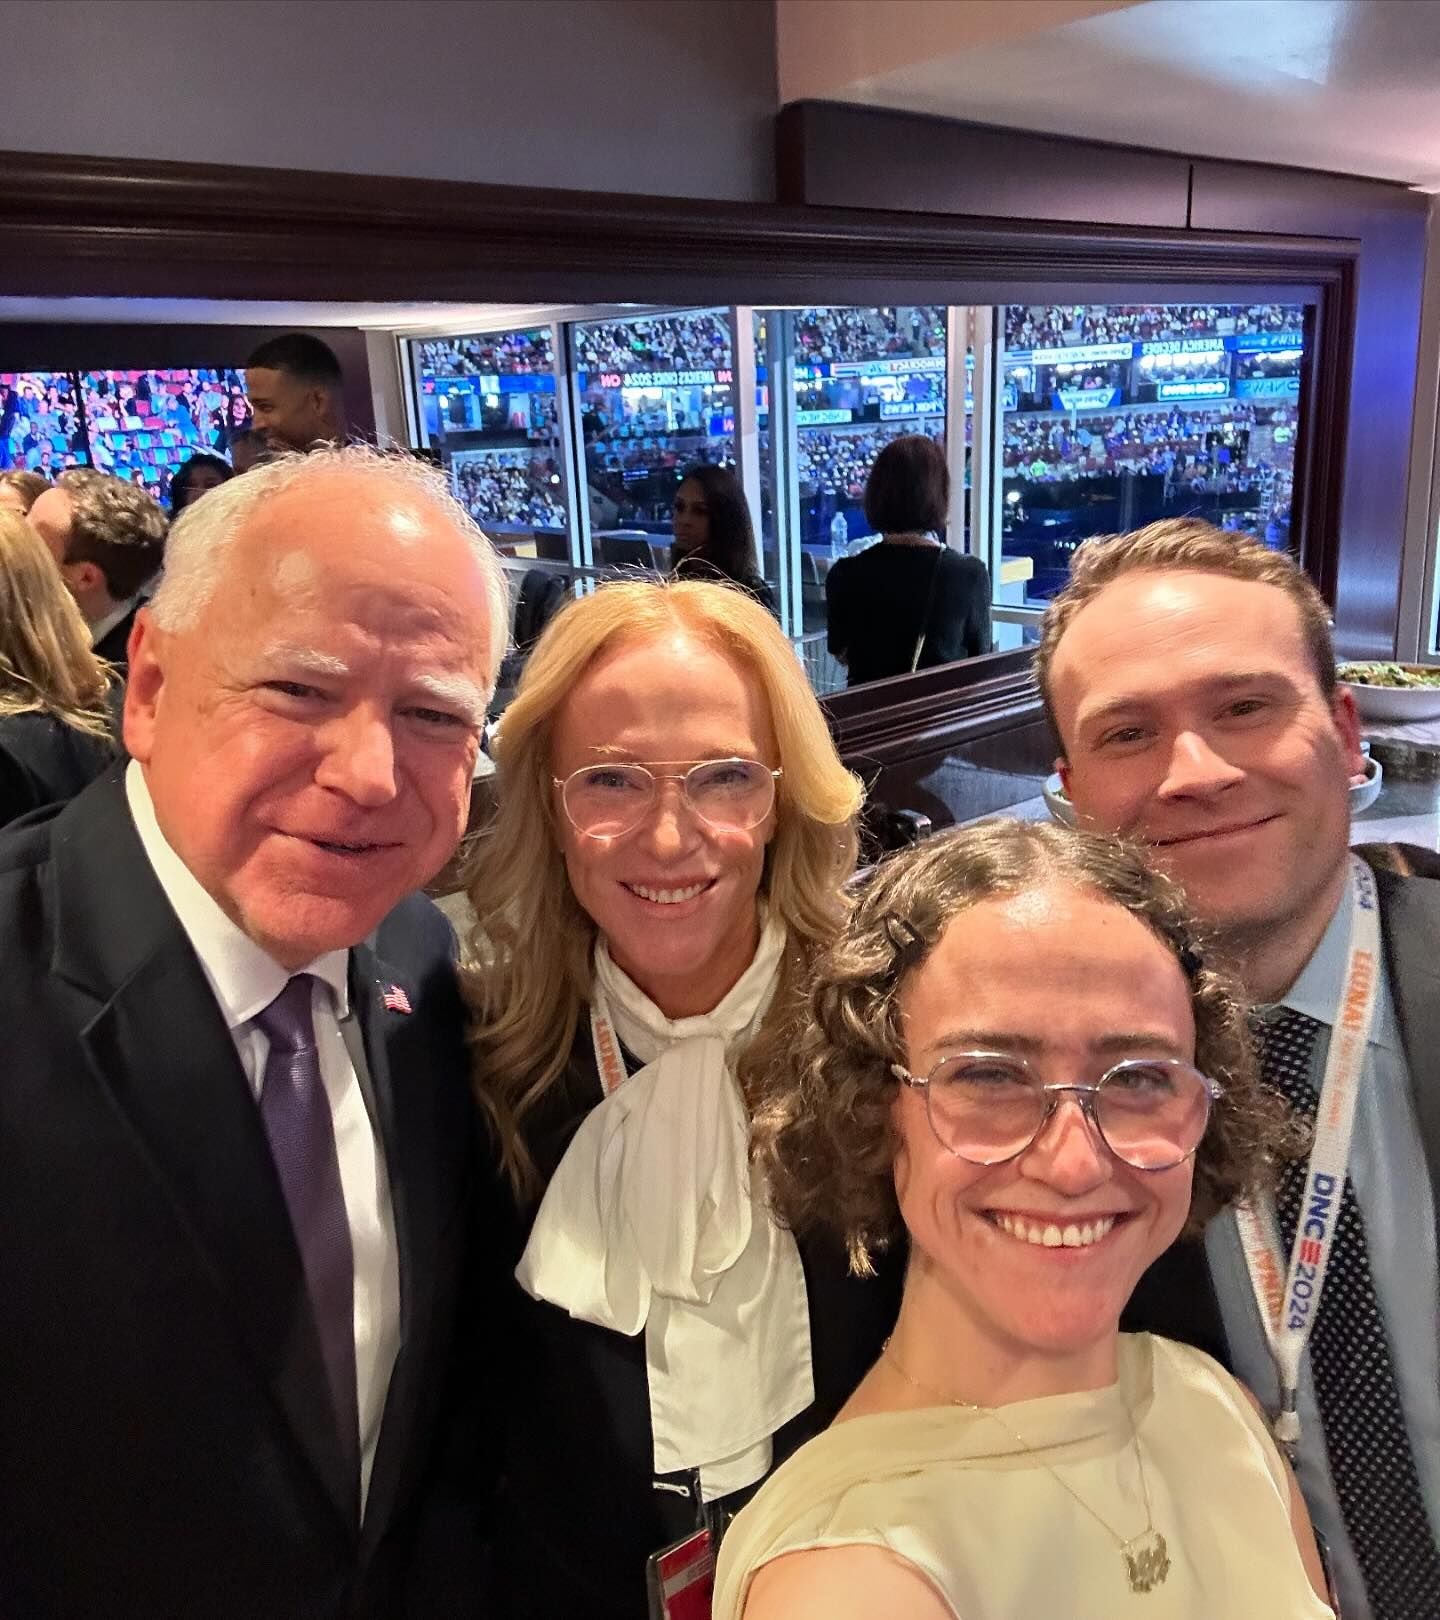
{"type": "Point", "coordinates": [673, 834]}
{"type": "Point", "coordinates": [55, 723]}
{"type": "Point", "coordinates": [909, 602]}
{"type": "Point", "coordinates": [714, 538]}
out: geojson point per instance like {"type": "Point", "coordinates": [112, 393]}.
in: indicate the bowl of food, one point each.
{"type": "Point", "coordinates": [1364, 790]}
{"type": "Point", "coordinates": [1385, 691]}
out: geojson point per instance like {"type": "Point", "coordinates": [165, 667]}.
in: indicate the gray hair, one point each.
{"type": "Point", "coordinates": [204, 533]}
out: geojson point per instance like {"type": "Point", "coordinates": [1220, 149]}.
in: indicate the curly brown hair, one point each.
{"type": "Point", "coordinates": [823, 1133]}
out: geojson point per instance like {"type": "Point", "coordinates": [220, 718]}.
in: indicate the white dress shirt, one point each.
{"type": "Point", "coordinates": [102, 627]}
{"type": "Point", "coordinates": [245, 980]}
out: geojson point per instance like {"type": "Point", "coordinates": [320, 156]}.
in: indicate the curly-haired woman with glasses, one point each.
{"type": "Point", "coordinates": [673, 835]}
{"type": "Point", "coordinates": [1018, 1054]}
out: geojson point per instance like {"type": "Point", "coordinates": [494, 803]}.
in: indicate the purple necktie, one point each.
{"type": "Point", "coordinates": [296, 1114]}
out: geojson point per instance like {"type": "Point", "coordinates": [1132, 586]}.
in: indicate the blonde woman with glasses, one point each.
{"type": "Point", "coordinates": [55, 721]}
{"type": "Point", "coordinates": [673, 835]}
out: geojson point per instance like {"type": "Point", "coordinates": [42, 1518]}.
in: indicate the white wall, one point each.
{"type": "Point", "coordinates": [674, 97]}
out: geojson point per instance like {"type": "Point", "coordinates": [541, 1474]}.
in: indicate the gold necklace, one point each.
{"type": "Point", "coordinates": [1146, 1557]}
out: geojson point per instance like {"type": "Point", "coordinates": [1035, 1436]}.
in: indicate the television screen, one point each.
{"type": "Point", "coordinates": [40, 426]}
{"type": "Point", "coordinates": [656, 396]}
{"type": "Point", "coordinates": [509, 489]}
{"type": "Point", "coordinates": [485, 386]}
{"type": "Point", "coordinates": [150, 422]}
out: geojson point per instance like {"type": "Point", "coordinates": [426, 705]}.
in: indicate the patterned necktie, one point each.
{"type": "Point", "coordinates": [296, 1115]}
{"type": "Point", "coordinates": [1365, 1435]}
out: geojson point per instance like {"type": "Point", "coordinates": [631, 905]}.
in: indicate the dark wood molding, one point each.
{"type": "Point", "coordinates": [934, 710]}
{"type": "Point", "coordinates": [83, 226]}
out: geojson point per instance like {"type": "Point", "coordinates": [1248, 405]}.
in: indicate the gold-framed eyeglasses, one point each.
{"type": "Point", "coordinates": [988, 1107]}
{"type": "Point", "coordinates": [610, 799]}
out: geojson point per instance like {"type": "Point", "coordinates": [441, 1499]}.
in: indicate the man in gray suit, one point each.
{"type": "Point", "coordinates": [1189, 677]}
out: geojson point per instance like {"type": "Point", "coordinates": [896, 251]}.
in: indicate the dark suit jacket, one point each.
{"type": "Point", "coordinates": [113, 645]}
{"type": "Point", "coordinates": [1175, 1296]}
{"type": "Point", "coordinates": [166, 1445]}
{"type": "Point", "coordinates": [44, 761]}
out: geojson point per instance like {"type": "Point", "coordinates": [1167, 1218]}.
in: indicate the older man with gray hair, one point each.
{"type": "Point", "coordinates": [241, 1179]}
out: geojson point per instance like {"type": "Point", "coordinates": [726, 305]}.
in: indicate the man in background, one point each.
{"type": "Point", "coordinates": [296, 395]}
{"type": "Point", "coordinates": [1190, 679]}
{"type": "Point", "coordinates": [108, 537]}
{"type": "Point", "coordinates": [247, 1214]}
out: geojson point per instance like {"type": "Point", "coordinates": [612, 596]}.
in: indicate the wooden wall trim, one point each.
{"type": "Point", "coordinates": [82, 226]}
{"type": "Point", "coordinates": [936, 709]}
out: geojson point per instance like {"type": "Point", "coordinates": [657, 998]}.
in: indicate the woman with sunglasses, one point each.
{"type": "Point", "coordinates": [1016, 1054]}
{"type": "Point", "coordinates": [673, 833]}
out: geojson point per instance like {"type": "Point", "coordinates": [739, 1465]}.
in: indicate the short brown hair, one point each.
{"type": "Point", "coordinates": [908, 490]}
{"type": "Point", "coordinates": [824, 1136]}
{"type": "Point", "coordinates": [1182, 545]}
{"type": "Point", "coordinates": [117, 526]}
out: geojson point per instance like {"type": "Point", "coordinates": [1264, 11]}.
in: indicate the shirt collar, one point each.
{"type": "Point", "coordinates": [244, 978]}
{"type": "Point", "coordinates": [102, 627]}
{"type": "Point", "coordinates": [1321, 982]}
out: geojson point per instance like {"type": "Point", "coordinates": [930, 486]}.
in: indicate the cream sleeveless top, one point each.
{"type": "Point", "coordinates": [950, 1491]}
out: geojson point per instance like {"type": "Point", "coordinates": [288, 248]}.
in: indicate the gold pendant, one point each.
{"type": "Point", "coordinates": [1148, 1563]}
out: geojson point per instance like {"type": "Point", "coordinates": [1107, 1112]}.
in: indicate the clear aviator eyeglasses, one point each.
{"type": "Point", "coordinates": [610, 799]}
{"type": "Point", "coordinates": [989, 1107]}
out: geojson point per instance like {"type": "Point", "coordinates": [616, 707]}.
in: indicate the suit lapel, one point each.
{"type": "Point", "coordinates": [1410, 917]}
{"type": "Point", "coordinates": [406, 1128]}
{"type": "Point", "coordinates": [161, 1052]}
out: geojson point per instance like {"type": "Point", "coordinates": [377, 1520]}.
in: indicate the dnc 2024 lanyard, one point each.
{"type": "Point", "coordinates": [608, 1061]}
{"type": "Point", "coordinates": [1290, 1302]}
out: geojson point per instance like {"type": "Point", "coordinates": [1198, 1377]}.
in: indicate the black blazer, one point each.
{"type": "Point", "coordinates": [1176, 1296]}
{"type": "Point", "coordinates": [44, 761]}
{"type": "Point", "coordinates": [579, 1509]}
{"type": "Point", "coordinates": [166, 1445]}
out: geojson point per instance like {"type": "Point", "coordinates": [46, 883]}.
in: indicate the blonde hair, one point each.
{"type": "Point", "coordinates": [29, 486]}
{"type": "Point", "coordinates": [46, 662]}
{"type": "Point", "coordinates": [530, 969]}
{"type": "Point", "coordinates": [1174, 546]}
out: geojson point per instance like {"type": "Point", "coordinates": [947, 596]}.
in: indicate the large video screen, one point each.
{"type": "Point", "coordinates": [40, 424]}
{"type": "Point", "coordinates": [487, 403]}
{"type": "Point", "coordinates": [657, 395]}
{"type": "Point", "coordinates": [1119, 415]}
{"type": "Point", "coordinates": [143, 424]}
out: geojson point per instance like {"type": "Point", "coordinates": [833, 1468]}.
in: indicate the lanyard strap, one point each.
{"type": "Point", "coordinates": [608, 1061]}
{"type": "Point", "coordinates": [1289, 1301]}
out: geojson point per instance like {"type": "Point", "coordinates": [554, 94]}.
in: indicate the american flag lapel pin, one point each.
{"type": "Point", "coordinates": [395, 998]}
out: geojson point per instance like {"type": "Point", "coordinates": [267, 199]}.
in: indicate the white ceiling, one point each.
{"type": "Point", "coordinates": [1346, 85]}
{"type": "Point", "coordinates": [255, 312]}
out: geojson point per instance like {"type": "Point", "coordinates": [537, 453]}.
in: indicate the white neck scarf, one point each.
{"type": "Point", "coordinates": [651, 1221]}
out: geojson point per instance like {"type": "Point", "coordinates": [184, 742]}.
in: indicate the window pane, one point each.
{"type": "Point", "coordinates": [487, 404]}
{"type": "Point", "coordinates": [862, 378]}
{"type": "Point", "coordinates": [1116, 415]}
{"type": "Point", "coordinates": [656, 396]}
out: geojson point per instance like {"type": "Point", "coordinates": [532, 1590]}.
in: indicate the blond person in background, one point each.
{"type": "Point", "coordinates": [20, 489]}
{"type": "Point", "coordinates": [673, 835]}
{"type": "Point", "coordinates": [1016, 1053]}
{"type": "Point", "coordinates": [55, 722]}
